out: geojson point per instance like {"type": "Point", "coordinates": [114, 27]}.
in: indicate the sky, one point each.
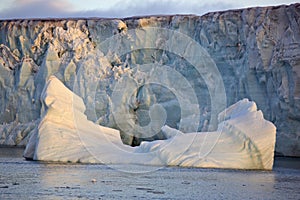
{"type": "Point", "coordinates": [11, 9]}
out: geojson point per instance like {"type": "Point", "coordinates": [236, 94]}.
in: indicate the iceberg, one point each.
{"type": "Point", "coordinates": [243, 140]}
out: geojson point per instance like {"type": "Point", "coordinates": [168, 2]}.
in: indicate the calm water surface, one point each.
{"type": "Point", "coordinates": [21, 179]}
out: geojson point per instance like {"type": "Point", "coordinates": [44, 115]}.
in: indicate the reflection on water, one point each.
{"type": "Point", "coordinates": [35, 180]}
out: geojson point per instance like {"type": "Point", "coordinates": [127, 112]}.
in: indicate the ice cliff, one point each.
{"type": "Point", "coordinates": [256, 52]}
{"type": "Point", "coordinates": [245, 140]}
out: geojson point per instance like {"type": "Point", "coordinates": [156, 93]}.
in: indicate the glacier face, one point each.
{"type": "Point", "coordinates": [245, 140]}
{"type": "Point", "coordinates": [255, 50]}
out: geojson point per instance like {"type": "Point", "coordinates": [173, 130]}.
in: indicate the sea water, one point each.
{"type": "Point", "coordinates": [21, 179]}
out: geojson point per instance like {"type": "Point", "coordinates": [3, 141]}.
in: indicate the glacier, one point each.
{"type": "Point", "coordinates": [243, 140]}
{"type": "Point", "coordinates": [255, 51]}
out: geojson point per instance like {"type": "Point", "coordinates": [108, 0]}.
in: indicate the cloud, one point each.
{"type": "Point", "coordinates": [124, 8]}
{"type": "Point", "coordinates": [127, 8]}
{"type": "Point", "coordinates": [37, 9]}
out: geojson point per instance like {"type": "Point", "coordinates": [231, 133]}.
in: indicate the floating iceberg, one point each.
{"type": "Point", "coordinates": [244, 139]}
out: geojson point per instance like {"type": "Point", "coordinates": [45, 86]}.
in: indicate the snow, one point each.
{"type": "Point", "coordinates": [244, 139]}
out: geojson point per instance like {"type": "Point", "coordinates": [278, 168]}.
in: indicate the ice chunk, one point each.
{"type": "Point", "coordinates": [244, 139]}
